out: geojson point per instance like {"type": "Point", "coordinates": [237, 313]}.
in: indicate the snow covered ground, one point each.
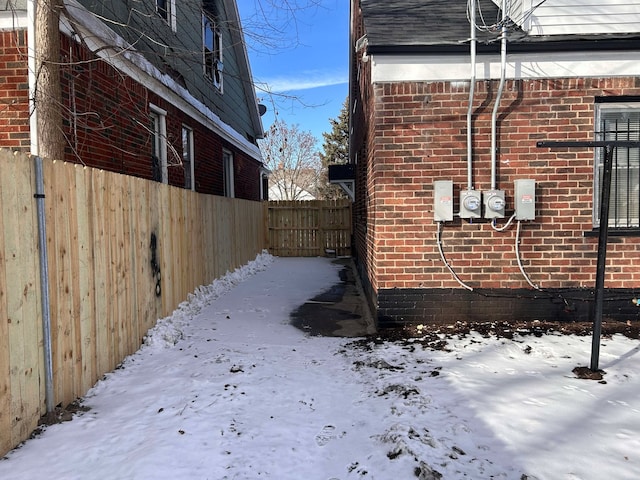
{"type": "Point", "coordinates": [225, 388]}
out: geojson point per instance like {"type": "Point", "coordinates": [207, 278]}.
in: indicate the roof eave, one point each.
{"type": "Point", "coordinates": [541, 45]}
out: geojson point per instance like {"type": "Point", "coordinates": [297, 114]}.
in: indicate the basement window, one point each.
{"type": "Point", "coordinates": [619, 121]}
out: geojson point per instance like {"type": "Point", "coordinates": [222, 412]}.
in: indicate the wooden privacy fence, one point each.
{"type": "Point", "coordinates": [309, 228]}
{"type": "Point", "coordinates": [102, 281]}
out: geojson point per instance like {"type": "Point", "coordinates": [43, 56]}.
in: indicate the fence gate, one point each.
{"type": "Point", "coordinates": [309, 228]}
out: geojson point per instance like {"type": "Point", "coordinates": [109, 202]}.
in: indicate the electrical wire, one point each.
{"type": "Point", "coordinates": [444, 259]}
{"type": "Point", "coordinates": [505, 226]}
{"type": "Point", "coordinates": [524, 273]}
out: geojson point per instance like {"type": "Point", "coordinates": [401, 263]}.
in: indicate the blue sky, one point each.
{"type": "Point", "coordinates": [302, 57]}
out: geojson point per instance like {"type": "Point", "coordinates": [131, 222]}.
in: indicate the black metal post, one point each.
{"type": "Point", "coordinates": [605, 196]}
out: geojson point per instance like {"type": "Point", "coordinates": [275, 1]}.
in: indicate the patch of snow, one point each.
{"type": "Point", "coordinates": [228, 389]}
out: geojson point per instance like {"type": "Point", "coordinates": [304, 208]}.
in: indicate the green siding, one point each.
{"type": "Point", "coordinates": [179, 53]}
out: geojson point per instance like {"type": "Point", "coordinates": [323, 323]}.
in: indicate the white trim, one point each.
{"type": "Point", "coordinates": [17, 19]}
{"type": "Point", "coordinates": [116, 52]}
{"type": "Point", "coordinates": [416, 68]}
{"type": "Point", "coordinates": [171, 21]}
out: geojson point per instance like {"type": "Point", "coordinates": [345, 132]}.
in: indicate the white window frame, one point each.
{"type": "Point", "coordinates": [188, 158]}
{"type": "Point", "coordinates": [212, 52]}
{"type": "Point", "coordinates": [168, 14]}
{"type": "Point", "coordinates": [228, 174]}
{"type": "Point", "coordinates": [625, 177]}
{"type": "Point", "coordinates": [159, 138]}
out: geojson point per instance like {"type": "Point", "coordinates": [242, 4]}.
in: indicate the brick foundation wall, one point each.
{"type": "Point", "coordinates": [412, 306]}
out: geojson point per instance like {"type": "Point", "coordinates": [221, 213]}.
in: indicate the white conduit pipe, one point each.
{"type": "Point", "coordinates": [472, 89]}
{"type": "Point", "coordinates": [444, 260]}
{"type": "Point", "coordinates": [494, 116]}
{"type": "Point", "coordinates": [524, 274]}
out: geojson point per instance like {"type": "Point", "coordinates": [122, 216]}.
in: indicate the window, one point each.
{"type": "Point", "coordinates": [187, 158]}
{"type": "Point", "coordinates": [212, 51]}
{"type": "Point", "coordinates": [617, 121]}
{"type": "Point", "coordinates": [167, 11]}
{"type": "Point", "coordinates": [227, 172]}
{"type": "Point", "coordinates": [158, 129]}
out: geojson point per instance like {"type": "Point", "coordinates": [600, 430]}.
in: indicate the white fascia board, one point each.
{"type": "Point", "coordinates": [106, 44]}
{"type": "Point", "coordinates": [424, 68]}
{"type": "Point", "coordinates": [13, 20]}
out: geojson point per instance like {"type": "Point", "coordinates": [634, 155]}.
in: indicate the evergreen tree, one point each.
{"type": "Point", "coordinates": [335, 151]}
{"type": "Point", "coordinates": [336, 142]}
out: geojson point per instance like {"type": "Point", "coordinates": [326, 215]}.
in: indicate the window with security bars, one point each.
{"type": "Point", "coordinates": [619, 122]}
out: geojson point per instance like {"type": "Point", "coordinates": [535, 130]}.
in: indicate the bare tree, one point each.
{"type": "Point", "coordinates": [293, 159]}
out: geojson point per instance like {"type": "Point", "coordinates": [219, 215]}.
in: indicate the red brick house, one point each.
{"type": "Point", "coordinates": [161, 91]}
{"type": "Point", "coordinates": [458, 215]}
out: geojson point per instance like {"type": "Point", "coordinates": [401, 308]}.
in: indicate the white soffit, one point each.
{"type": "Point", "coordinates": [424, 68]}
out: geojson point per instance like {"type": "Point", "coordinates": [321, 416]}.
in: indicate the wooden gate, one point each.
{"type": "Point", "coordinates": [309, 228]}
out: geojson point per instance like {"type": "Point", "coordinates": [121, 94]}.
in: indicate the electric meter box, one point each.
{"type": "Point", "coordinates": [443, 201]}
{"type": "Point", "coordinates": [494, 203]}
{"type": "Point", "coordinates": [525, 199]}
{"type": "Point", "coordinates": [470, 204]}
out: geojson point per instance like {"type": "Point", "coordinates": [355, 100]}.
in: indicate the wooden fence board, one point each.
{"type": "Point", "coordinates": [86, 279]}
{"type": "Point", "coordinates": [6, 171]}
{"type": "Point", "coordinates": [22, 312]}
{"type": "Point", "coordinates": [100, 262]}
{"type": "Point", "coordinates": [102, 290]}
{"type": "Point", "coordinates": [309, 228]}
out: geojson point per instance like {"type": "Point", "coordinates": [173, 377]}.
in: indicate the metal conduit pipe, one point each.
{"type": "Point", "coordinates": [494, 115]}
{"type": "Point", "coordinates": [44, 286]}
{"type": "Point", "coordinates": [471, 5]}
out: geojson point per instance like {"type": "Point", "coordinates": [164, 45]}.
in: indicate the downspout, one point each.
{"type": "Point", "coordinates": [39, 196]}
{"type": "Point", "coordinates": [472, 89]}
{"type": "Point", "coordinates": [351, 55]}
{"type": "Point", "coordinates": [494, 116]}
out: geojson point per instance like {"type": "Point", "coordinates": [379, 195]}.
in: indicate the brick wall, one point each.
{"type": "Point", "coordinates": [107, 126]}
{"type": "Point", "coordinates": [14, 91]}
{"type": "Point", "coordinates": [106, 121]}
{"type": "Point", "coordinates": [417, 134]}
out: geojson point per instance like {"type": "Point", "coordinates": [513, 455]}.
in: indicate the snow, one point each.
{"type": "Point", "coordinates": [225, 388]}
